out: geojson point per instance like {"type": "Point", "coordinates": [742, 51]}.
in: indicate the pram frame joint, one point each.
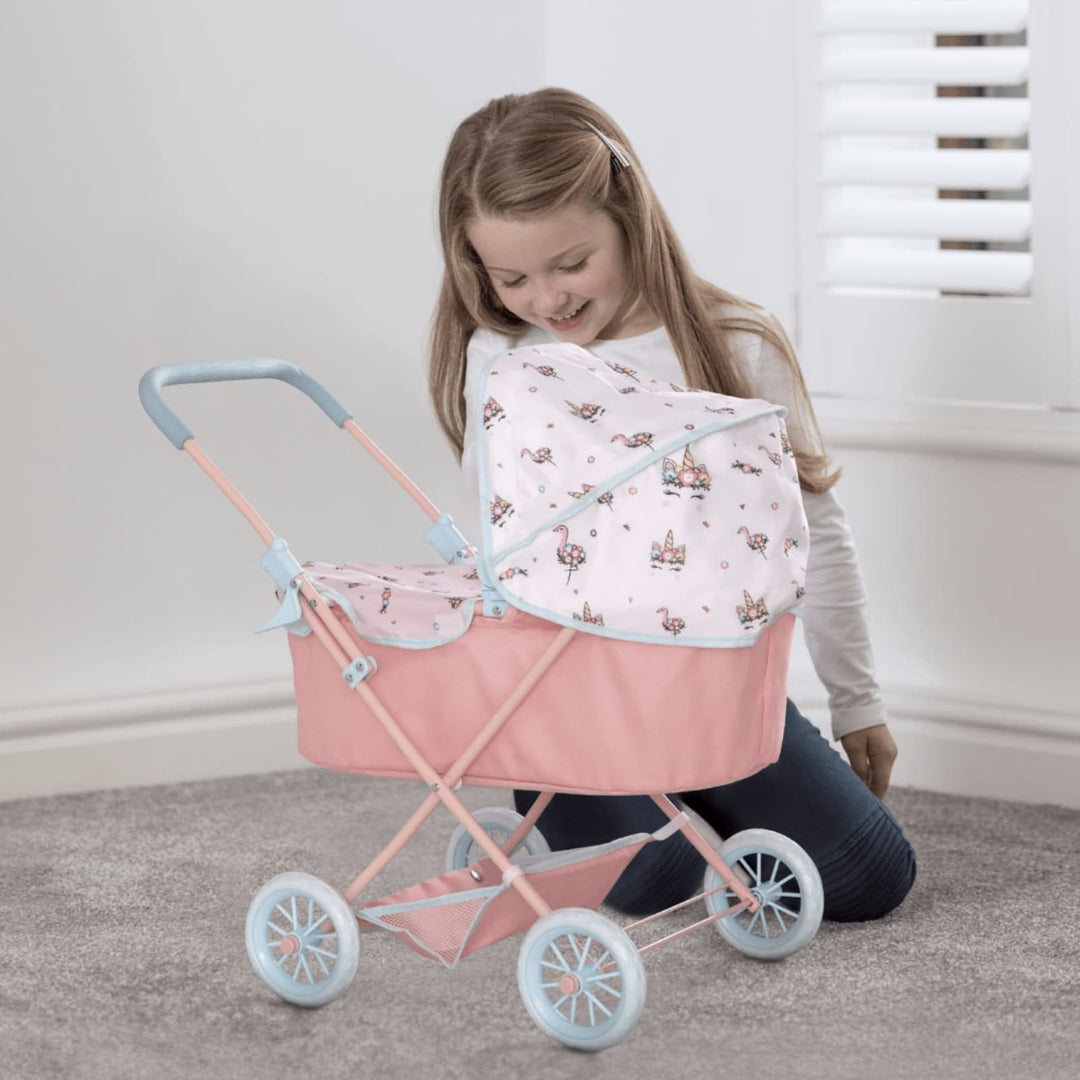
{"type": "Point", "coordinates": [363, 667]}
{"type": "Point", "coordinates": [445, 537]}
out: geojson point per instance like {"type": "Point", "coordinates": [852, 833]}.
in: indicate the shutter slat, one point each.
{"type": "Point", "coordinates": [958, 117]}
{"type": "Point", "coordinates": [943, 219]}
{"type": "Point", "coordinates": [978, 170]}
{"type": "Point", "coordinates": [995, 272]}
{"type": "Point", "coordinates": [987, 66]}
{"type": "Point", "coordinates": [932, 16]}
{"type": "Point", "coordinates": [882, 220]}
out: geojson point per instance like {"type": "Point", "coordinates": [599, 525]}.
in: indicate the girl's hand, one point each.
{"type": "Point", "coordinates": [872, 752]}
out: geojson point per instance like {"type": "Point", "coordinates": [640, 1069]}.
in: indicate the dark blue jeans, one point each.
{"type": "Point", "coordinates": [810, 794]}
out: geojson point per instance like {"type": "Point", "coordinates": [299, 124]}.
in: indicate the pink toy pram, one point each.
{"type": "Point", "coordinates": [534, 662]}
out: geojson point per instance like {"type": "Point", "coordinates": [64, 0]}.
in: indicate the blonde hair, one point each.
{"type": "Point", "coordinates": [523, 156]}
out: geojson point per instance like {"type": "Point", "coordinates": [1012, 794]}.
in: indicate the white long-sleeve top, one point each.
{"type": "Point", "coordinates": [834, 608]}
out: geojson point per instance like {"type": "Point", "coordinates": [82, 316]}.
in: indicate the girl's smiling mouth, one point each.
{"type": "Point", "coordinates": [568, 322]}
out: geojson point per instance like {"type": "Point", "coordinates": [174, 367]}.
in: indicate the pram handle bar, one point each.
{"type": "Point", "coordinates": [178, 433]}
{"type": "Point", "coordinates": [442, 535]}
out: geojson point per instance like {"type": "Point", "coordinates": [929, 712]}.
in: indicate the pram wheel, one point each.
{"type": "Point", "coordinates": [498, 822]}
{"type": "Point", "coordinates": [581, 978]}
{"type": "Point", "coordinates": [302, 939]}
{"type": "Point", "coordinates": [784, 878]}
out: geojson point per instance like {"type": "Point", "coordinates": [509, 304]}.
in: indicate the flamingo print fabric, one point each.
{"type": "Point", "coordinates": [635, 509]}
{"type": "Point", "coordinates": [411, 607]}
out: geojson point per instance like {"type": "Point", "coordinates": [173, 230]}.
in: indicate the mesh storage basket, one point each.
{"type": "Point", "coordinates": [450, 916]}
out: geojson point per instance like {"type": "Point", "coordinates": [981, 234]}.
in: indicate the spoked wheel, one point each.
{"type": "Point", "coordinates": [581, 979]}
{"type": "Point", "coordinates": [786, 881]}
{"type": "Point", "coordinates": [499, 822]}
{"type": "Point", "coordinates": [302, 939]}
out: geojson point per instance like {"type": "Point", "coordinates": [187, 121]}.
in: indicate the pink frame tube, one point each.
{"type": "Point", "coordinates": [537, 808]}
{"type": "Point", "coordinates": [365, 440]}
{"type": "Point", "coordinates": [441, 785]}
{"type": "Point", "coordinates": [711, 855]}
{"type": "Point", "coordinates": [193, 450]}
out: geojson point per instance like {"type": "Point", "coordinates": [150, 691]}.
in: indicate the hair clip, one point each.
{"type": "Point", "coordinates": [618, 158]}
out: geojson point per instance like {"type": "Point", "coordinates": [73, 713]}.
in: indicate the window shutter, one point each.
{"type": "Point", "coordinates": [921, 198]}
{"type": "Point", "coordinates": [898, 48]}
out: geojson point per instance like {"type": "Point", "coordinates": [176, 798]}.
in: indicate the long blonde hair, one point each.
{"type": "Point", "coordinates": [523, 156]}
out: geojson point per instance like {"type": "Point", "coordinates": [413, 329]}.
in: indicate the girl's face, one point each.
{"type": "Point", "coordinates": [566, 272]}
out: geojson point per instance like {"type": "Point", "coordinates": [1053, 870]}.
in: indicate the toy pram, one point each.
{"type": "Point", "coordinates": [624, 627]}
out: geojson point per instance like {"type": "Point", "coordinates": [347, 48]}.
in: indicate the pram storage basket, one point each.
{"type": "Point", "coordinates": [453, 915]}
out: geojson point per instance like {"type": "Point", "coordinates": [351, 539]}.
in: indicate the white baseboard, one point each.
{"type": "Point", "coordinates": [947, 744]}
{"type": "Point", "coordinates": [163, 738]}
{"type": "Point", "coordinates": [960, 746]}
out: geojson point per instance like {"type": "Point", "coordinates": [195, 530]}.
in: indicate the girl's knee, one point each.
{"type": "Point", "coordinates": [659, 876]}
{"type": "Point", "coordinates": [871, 873]}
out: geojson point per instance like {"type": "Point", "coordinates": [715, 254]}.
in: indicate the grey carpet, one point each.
{"type": "Point", "coordinates": [122, 941]}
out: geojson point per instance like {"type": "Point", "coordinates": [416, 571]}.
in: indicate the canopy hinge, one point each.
{"type": "Point", "coordinates": [287, 573]}
{"type": "Point", "coordinates": [445, 538]}
{"type": "Point", "coordinates": [495, 604]}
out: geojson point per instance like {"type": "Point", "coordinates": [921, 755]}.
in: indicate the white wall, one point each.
{"type": "Point", "coordinates": [195, 181]}
{"type": "Point", "coordinates": [202, 180]}
{"type": "Point", "coordinates": [705, 91]}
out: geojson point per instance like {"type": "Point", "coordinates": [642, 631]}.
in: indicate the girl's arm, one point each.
{"type": "Point", "coordinates": [835, 622]}
{"type": "Point", "coordinates": [837, 637]}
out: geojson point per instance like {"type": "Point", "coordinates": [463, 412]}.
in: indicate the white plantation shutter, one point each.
{"type": "Point", "coordinates": [929, 270]}
{"type": "Point", "coordinates": [897, 48]}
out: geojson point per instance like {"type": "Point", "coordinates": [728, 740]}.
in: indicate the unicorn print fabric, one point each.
{"type": "Point", "coordinates": [635, 509]}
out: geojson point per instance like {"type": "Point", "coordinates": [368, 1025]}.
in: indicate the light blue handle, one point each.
{"type": "Point", "coordinates": [177, 432]}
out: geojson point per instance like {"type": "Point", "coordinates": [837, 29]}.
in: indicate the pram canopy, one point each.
{"type": "Point", "coordinates": [635, 509]}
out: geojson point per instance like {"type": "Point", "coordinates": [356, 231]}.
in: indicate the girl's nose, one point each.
{"type": "Point", "coordinates": [550, 298]}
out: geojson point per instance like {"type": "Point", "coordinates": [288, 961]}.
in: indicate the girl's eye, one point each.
{"type": "Point", "coordinates": [562, 269]}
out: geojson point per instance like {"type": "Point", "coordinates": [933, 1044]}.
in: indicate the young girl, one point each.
{"type": "Point", "coordinates": [551, 232]}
